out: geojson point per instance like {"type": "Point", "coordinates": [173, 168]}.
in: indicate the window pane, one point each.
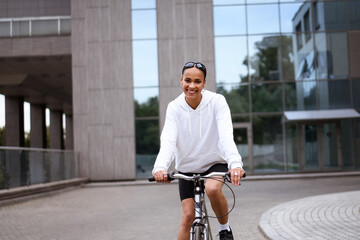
{"type": "Point", "coordinates": [146, 102]}
{"type": "Point", "coordinates": [354, 14]}
{"type": "Point", "coordinates": [268, 144]}
{"type": "Point", "coordinates": [145, 66]}
{"type": "Point", "coordinates": [226, 2]}
{"type": "Point", "coordinates": [304, 62]}
{"type": "Point", "coordinates": [347, 144]}
{"type": "Point", "coordinates": [260, 14]}
{"type": "Point", "coordinates": [236, 96]}
{"type": "Point", "coordinates": [329, 16]}
{"type": "Point", "coordinates": [229, 20]}
{"type": "Point", "coordinates": [266, 97]}
{"type": "Point", "coordinates": [21, 28]}
{"type": "Point", "coordinates": [287, 13]}
{"type": "Point", "coordinates": [144, 24]}
{"type": "Point", "coordinates": [287, 58]}
{"type": "Point", "coordinates": [355, 92]}
{"type": "Point", "coordinates": [261, 1]}
{"type": "Point", "coordinates": [141, 4]}
{"type": "Point", "coordinates": [300, 95]}
{"type": "Point", "coordinates": [147, 146]}
{"type": "Point", "coordinates": [334, 94]}
{"type": "Point", "coordinates": [230, 60]}
{"type": "Point", "coordinates": [264, 57]}
{"type": "Point", "coordinates": [44, 27]}
{"type": "Point", "coordinates": [292, 150]}
{"type": "Point", "coordinates": [65, 26]}
{"type": "Point", "coordinates": [332, 58]}
{"type": "Point", "coordinates": [4, 29]}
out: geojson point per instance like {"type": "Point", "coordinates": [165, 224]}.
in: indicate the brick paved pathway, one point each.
{"type": "Point", "coordinates": [330, 216]}
{"type": "Point", "coordinates": [141, 211]}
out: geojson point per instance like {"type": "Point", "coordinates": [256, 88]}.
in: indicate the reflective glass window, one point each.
{"type": "Point", "coordinates": [144, 24]}
{"type": "Point", "coordinates": [230, 59]}
{"type": "Point", "coordinates": [347, 145]}
{"type": "Point", "coordinates": [261, 1]}
{"type": "Point", "coordinates": [353, 12]}
{"type": "Point", "coordinates": [332, 57]}
{"type": "Point", "coordinates": [237, 97]}
{"type": "Point", "coordinates": [330, 15]}
{"type": "Point", "coordinates": [334, 94]}
{"type": "Point", "coordinates": [304, 62]}
{"type": "Point", "coordinates": [268, 144]}
{"type": "Point", "coordinates": [145, 66]}
{"type": "Point", "coordinates": [266, 97]}
{"type": "Point", "coordinates": [146, 102]}
{"type": "Point", "coordinates": [143, 4]}
{"type": "Point", "coordinates": [292, 150]}
{"type": "Point", "coordinates": [264, 56]}
{"type": "Point", "coordinates": [300, 95]}
{"type": "Point", "coordinates": [44, 27]}
{"type": "Point", "coordinates": [4, 29]}
{"type": "Point", "coordinates": [355, 93]}
{"type": "Point", "coordinates": [287, 14]}
{"type": "Point", "coordinates": [228, 2]}
{"type": "Point", "coordinates": [147, 146]}
{"type": "Point", "coordinates": [287, 58]}
{"type": "Point", "coordinates": [258, 15]}
{"type": "Point", "coordinates": [229, 20]}
{"type": "Point", "coordinates": [21, 28]}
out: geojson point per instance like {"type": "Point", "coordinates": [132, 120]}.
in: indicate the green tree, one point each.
{"type": "Point", "coordinates": [2, 136]}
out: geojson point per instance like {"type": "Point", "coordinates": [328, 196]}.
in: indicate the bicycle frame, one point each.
{"type": "Point", "coordinates": [200, 228]}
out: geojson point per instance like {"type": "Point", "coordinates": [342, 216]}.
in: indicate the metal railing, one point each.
{"type": "Point", "coordinates": [35, 26]}
{"type": "Point", "coordinates": [26, 166]}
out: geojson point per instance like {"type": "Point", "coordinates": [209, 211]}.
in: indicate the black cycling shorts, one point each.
{"type": "Point", "coordinates": [186, 188]}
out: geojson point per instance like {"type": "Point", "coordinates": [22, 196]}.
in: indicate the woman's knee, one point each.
{"type": "Point", "coordinates": [213, 189]}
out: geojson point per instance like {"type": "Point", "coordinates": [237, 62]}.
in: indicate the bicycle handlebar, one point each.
{"type": "Point", "coordinates": [172, 176]}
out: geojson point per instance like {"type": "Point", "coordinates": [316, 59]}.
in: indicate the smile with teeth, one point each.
{"type": "Point", "coordinates": [191, 92]}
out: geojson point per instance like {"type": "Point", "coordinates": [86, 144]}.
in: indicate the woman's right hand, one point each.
{"type": "Point", "coordinates": [161, 176]}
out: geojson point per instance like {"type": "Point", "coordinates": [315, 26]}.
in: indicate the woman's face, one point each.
{"type": "Point", "coordinates": [192, 83]}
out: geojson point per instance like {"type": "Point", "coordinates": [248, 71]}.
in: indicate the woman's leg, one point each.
{"type": "Point", "coordinates": [217, 199]}
{"type": "Point", "coordinates": [187, 218]}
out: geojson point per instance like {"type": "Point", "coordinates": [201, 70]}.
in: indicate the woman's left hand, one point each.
{"type": "Point", "coordinates": [236, 174]}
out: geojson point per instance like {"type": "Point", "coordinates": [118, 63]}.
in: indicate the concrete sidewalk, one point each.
{"type": "Point", "coordinates": [139, 210]}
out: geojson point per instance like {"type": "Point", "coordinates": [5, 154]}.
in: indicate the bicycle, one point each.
{"type": "Point", "coordinates": [200, 228]}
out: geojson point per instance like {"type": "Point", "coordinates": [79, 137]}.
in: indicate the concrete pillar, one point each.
{"type": "Point", "coordinates": [14, 136]}
{"type": "Point", "coordinates": [69, 142]}
{"type": "Point", "coordinates": [14, 121]}
{"type": "Point", "coordinates": [38, 126]}
{"type": "Point", "coordinates": [185, 33]}
{"type": "Point", "coordinates": [37, 140]}
{"type": "Point", "coordinates": [56, 130]}
{"type": "Point", "coordinates": [103, 102]}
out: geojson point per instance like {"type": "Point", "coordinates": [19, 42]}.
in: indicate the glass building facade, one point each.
{"type": "Point", "coordinates": [271, 57]}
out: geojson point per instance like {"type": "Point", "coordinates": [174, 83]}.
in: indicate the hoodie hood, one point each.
{"type": "Point", "coordinates": [206, 98]}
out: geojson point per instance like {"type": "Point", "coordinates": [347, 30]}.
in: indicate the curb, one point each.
{"type": "Point", "coordinates": [24, 191]}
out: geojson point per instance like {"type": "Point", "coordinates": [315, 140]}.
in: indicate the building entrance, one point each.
{"type": "Point", "coordinates": [320, 146]}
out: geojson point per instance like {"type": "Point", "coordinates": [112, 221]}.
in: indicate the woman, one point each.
{"type": "Point", "coordinates": [198, 133]}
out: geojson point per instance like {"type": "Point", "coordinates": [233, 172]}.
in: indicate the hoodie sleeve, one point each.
{"type": "Point", "coordinates": [226, 137]}
{"type": "Point", "coordinates": [167, 140]}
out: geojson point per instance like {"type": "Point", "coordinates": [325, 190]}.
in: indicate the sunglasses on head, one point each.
{"type": "Point", "coordinates": [198, 65]}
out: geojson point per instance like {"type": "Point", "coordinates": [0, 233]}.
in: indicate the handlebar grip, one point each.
{"type": "Point", "coordinates": [169, 177]}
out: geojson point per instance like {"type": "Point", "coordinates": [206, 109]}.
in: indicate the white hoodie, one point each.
{"type": "Point", "coordinates": [198, 138]}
